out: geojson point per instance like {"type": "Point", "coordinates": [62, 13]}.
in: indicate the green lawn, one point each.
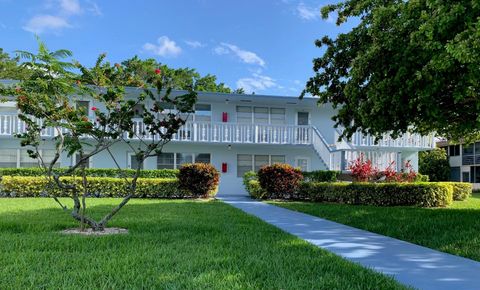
{"type": "Point", "coordinates": [454, 230]}
{"type": "Point", "coordinates": [171, 245]}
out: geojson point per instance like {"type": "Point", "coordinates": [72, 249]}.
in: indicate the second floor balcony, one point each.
{"type": "Point", "coordinates": [246, 133]}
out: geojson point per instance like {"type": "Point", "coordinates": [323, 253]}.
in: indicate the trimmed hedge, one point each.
{"type": "Point", "coordinates": [94, 172]}
{"type": "Point", "coordinates": [461, 190]}
{"type": "Point", "coordinates": [321, 175]}
{"type": "Point", "coordinates": [32, 186]}
{"type": "Point", "coordinates": [423, 194]}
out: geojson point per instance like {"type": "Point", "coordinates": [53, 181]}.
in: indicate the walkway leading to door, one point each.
{"type": "Point", "coordinates": [410, 264]}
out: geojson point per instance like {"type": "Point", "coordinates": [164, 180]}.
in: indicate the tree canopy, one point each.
{"type": "Point", "coordinates": [134, 72]}
{"type": "Point", "coordinates": [406, 66]}
{"type": "Point", "coordinates": [10, 67]}
{"type": "Point", "coordinates": [434, 163]}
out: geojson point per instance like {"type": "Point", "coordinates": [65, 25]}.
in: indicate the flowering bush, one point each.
{"type": "Point", "coordinates": [279, 179]}
{"type": "Point", "coordinates": [200, 179]}
{"type": "Point", "coordinates": [408, 175]}
{"type": "Point", "coordinates": [362, 169]}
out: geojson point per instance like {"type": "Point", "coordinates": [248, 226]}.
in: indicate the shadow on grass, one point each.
{"type": "Point", "coordinates": [171, 244]}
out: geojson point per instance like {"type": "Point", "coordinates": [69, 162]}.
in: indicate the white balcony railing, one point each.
{"type": "Point", "coordinates": [407, 140]}
{"type": "Point", "coordinates": [10, 124]}
{"type": "Point", "coordinates": [199, 132]}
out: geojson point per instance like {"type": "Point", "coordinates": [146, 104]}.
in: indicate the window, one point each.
{"type": "Point", "coordinates": [166, 161]}
{"type": "Point", "coordinates": [302, 163]}
{"type": "Point", "coordinates": [244, 114]}
{"type": "Point", "coordinates": [468, 149]}
{"type": "Point", "coordinates": [277, 116]}
{"type": "Point", "coordinates": [83, 106]}
{"type": "Point", "coordinates": [277, 159]}
{"type": "Point", "coordinates": [260, 115]}
{"type": "Point", "coordinates": [138, 111]}
{"type": "Point", "coordinates": [87, 161]}
{"type": "Point", "coordinates": [203, 112]}
{"type": "Point", "coordinates": [175, 160]}
{"type": "Point", "coordinates": [455, 174]}
{"type": "Point", "coordinates": [453, 150]}
{"type": "Point", "coordinates": [26, 160]}
{"type": "Point", "coordinates": [133, 161]}
{"type": "Point", "coordinates": [248, 162]}
{"type": "Point", "coordinates": [244, 164]}
{"type": "Point", "coordinates": [8, 158]}
{"type": "Point", "coordinates": [202, 158]}
{"type": "Point", "coordinates": [302, 118]}
{"type": "Point", "coordinates": [48, 156]}
{"type": "Point", "coordinates": [261, 160]}
{"type": "Point", "coordinates": [183, 158]}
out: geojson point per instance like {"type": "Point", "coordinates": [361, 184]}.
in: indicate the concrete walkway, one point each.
{"type": "Point", "coordinates": [413, 265]}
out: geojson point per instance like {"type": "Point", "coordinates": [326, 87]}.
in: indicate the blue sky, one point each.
{"type": "Point", "coordinates": [265, 46]}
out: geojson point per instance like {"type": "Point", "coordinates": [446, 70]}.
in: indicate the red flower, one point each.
{"type": "Point", "coordinates": [94, 108]}
{"type": "Point", "coordinates": [157, 71]}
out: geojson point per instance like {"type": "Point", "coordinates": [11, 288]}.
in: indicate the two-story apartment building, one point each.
{"type": "Point", "coordinates": [464, 161]}
{"type": "Point", "coordinates": [237, 133]}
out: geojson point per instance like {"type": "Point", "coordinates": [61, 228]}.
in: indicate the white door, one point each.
{"type": "Point", "coordinates": [303, 120]}
{"type": "Point", "coordinates": [303, 163]}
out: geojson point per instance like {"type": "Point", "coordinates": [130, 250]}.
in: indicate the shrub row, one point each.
{"type": "Point", "coordinates": [378, 194]}
{"type": "Point", "coordinates": [321, 175]}
{"type": "Point", "coordinates": [94, 172]}
{"type": "Point", "coordinates": [34, 186]}
{"type": "Point", "coordinates": [461, 190]}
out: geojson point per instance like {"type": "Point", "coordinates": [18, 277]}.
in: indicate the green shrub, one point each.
{"type": "Point", "coordinates": [279, 179]}
{"type": "Point", "coordinates": [94, 172]}
{"type": "Point", "coordinates": [200, 179]}
{"type": "Point", "coordinates": [435, 164]}
{"type": "Point", "coordinates": [321, 175]}
{"type": "Point", "coordinates": [34, 186]}
{"type": "Point", "coordinates": [252, 186]}
{"type": "Point", "coordinates": [461, 190]}
{"type": "Point", "coordinates": [422, 178]}
{"type": "Point", "coordinates": [378, 194]}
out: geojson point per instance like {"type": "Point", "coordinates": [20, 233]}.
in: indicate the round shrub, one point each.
{"type": "Point", "coordinates": [200, 179]}
{"type": "Point", "coordinates": [280, 180]}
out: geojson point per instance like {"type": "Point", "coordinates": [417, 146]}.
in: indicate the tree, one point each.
{"type": "Point", "coordinates": [46, 101]}
{"type": "Point", "coordinates": [407, 65]}
{"type": "Point", "coordinates": [434, 163]}
{"type": "Point", "coordinates": [135, 70]}
{"type": "Point", "coordinates": [10, 68]}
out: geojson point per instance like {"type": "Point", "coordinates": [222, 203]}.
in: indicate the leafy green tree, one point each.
{"type": "Point", "coordinates": [434, 163]}
{"type": "Point", "coordinates": [46, 100]}
{"type": "Point", "coordinates": [407, 65]}
{"type": "Point", "coordinates": [135, 70]}
{"type": "Point", "coordinates": [10, 67]}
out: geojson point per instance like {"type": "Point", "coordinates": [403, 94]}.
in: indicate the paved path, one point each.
{"type": "Point", "coordinates": [410, 264]}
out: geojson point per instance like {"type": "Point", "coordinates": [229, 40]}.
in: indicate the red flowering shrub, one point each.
{"type": "Point", "coordinates": [362, 169]}
{"type": "Point", "coordinates": [280, 179]}
{"type": "Point", "coordinates": [200, 179]}
{"type": "Point", "coordinates": [408, 175]}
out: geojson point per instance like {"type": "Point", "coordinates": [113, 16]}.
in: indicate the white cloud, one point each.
{"type": "Point", "coordinates": [70, 7]}
{"type": "Point", "coordinates": [164, 47]}
{"type": "Point", "coordinates": [58, 15]}
{"type": "Point", "coordinates": [43, 23]}
{"type": "Point", "coordinates": [195, 43]}
{"type": "Point", "coordinates": [256, 83]}
{"type": "Point", "coordinates": [307, 13]}
{"type": "Point", "coordinates": [244, 55]}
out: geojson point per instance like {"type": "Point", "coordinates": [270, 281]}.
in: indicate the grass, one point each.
{"type": "Point", "coordinates": [171, 245]}
{"type": "Point", "coordinates": [454, 230]}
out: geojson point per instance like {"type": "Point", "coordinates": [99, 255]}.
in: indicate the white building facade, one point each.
{"type": "Point", "coordinates": [464, 162]}
{"type": "Point", "coordinates": [237, 133]}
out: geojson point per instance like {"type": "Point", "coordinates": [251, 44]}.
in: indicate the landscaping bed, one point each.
{"type": "Point", "coordinates": [172, 244]}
